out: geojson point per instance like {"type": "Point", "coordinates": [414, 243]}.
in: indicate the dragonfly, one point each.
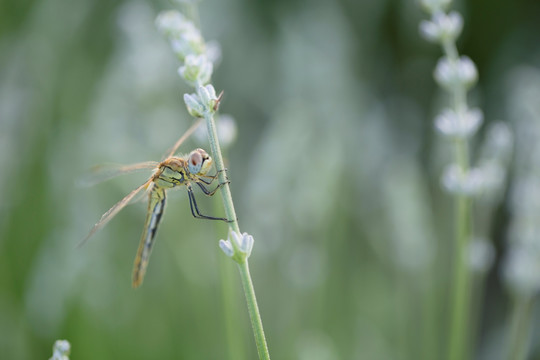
{"type": "Point", "coordinates": [172, 172]}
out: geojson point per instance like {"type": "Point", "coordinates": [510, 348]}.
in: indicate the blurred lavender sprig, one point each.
{"type": "Point", "coordinates": [521, 271]}
{"type": "Point", "coordinates": [524, 231]}
{"type": "Point", "coordinates": [188, 45]}
{"type": "Point", "coordinates": [184, 37]}
{"type": "Point", "coordinates": [61, 350]}
{"type": "Point", "coordinates": [459, 123]}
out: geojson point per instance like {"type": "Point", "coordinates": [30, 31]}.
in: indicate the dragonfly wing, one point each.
{"type": "Point", "coordinates": [105, 218]}
{"type": "Point", "coordinates": [102, 173]}
{"type": "Point", "coordinates": [183, 138]}
{"type": "Point", "coordinates": [156, 205]}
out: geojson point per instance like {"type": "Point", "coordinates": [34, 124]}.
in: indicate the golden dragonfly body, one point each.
{"type": "Point", "coordinates": [169, 173]}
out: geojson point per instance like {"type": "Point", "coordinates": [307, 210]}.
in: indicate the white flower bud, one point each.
{"type": "Point", "coordinates": [238, 246]}
{"type": "Point", "coordinates": [459, 182]}
{"type": "Point", "coordinates": [188, 43]}
{"type": "Point", "coordinates": [171, 23]}
{"type": "Point", "coordinates": [208, 97]}
{"type": "Point", "coordinates": [451, 74]}
{"type": "Point", "coordinates": [459, 125]}
{"type": "Point", "coordinates": [194, 105]}
{"type": "Point", "coordinates": [183, 35]}
{"type": "Point", "coordinates": [197, 70]}
{"type": "Point", "coordinates": [61, 350]}
{"type": "Point", "coordinates": [442, 27]}
{"type": "Point", "coordinates": [227, 248]}
{"type": "Point", "coordinates": [466, 72]}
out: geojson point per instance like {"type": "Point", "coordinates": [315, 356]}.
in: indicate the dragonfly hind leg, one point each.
{"type": "Point", "coordinates": [195, 209]}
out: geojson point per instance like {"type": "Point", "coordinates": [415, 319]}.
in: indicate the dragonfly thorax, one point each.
{"type": "Point", "coordinates": [172, 172]}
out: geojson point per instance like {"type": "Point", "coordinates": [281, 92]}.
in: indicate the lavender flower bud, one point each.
{"type": "Point", "coordinates": [459, 182]}
{"type": "Point", "coordinates": [454, 74]}
{"type": "Point", "coordinates": [460, 125]}
{"type": "Point", "coordinates": [197, 70]}
{"type": "Point", "coordinates": [442, 27]}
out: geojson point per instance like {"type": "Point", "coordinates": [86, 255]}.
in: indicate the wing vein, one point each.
{"type": "Point", "coordinates": [105, 218]}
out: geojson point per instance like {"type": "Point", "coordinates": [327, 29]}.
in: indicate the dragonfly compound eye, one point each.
{"type": "Point", "coordinates": [199, 162]}
{"type": "Point", "coordinates": [195, 162]}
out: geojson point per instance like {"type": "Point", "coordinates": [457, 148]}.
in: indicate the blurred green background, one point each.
{"type": "Point", "coordinates": [335, 172]}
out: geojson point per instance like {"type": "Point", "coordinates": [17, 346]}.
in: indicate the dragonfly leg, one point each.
{"type": "Point", "coordinates": [208, 192]}
{"type": "Point", "coordinates": [208, 182]}
{"type": "Point", "coordinates": [213, 177]}
{"type": "Point", "coordinates": [195, 209]}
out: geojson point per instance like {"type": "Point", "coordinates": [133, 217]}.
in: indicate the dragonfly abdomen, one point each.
{"type": "Point", "coordinates": [156, 206]}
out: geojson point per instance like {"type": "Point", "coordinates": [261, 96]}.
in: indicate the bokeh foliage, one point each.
{"type": "Point", "coordinates": [335, 173]}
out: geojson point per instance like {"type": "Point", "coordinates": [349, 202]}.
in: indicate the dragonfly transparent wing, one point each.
{"type": "Point", "coordinates": [102, 173]}
{"type": "Point", "coordinates": [105, 218]}
{"type": "Point", "coordinates": [183, 138]}
{"type": "Point", "coordinates": [156, 205]}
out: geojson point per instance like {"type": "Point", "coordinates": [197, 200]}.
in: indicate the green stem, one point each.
{"type": "Point", "coordinates": [450, 49]}
{"type": "Point", "coordinates": [256, 322]}
{"type": "Point", "coordinates": [460, 301]}
{"type": "Point", "coordinates": [235, 341]}
{"type": "Point", "coordinates": [243, 267]}
{"type": "Point", "coordinates": [463, 230]}
{"type": "Point", "coordinates": [462, 276]}
{"type": "Point", "coordinates": [520, 328]}
{"type": "Point", "coordinates": [236, 349]}
{"type": "Point", "coordinates": [222, 176]}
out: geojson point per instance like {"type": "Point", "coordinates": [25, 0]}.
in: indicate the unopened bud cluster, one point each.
{"type": "Point", "coordinates": [198, 58]}
{"type": "Point", "coordinates": [189, 46]}
{"type": "Point", "coordinates": [455, 74]}
{"type": "Point", "coordinates": [61, 350]}
{"type": "Point", "coordinates": [464, 182]}
{"type": "Point", "coordinates": [237, 246]}
{"type": "Point", "coordinates": [183, 35]}
{"type": "Point", "coordinates": [489, 176]}
{"type": "Point", "coordinates": [442, 27]}
{"type": "Point", "coordinates": [459, 124]}
{"type": "Point", "coordinates": [205, 100]}
{"type": "Point", "coordinates": [196, 70]}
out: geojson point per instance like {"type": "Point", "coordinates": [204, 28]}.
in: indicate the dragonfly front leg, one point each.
{"type": "Point", "coordinates": [213, 177]}
{"type": "Point", "coordinates": [195, 209]}
{"type": "Point", "coordinates": [208, 192]}
{"type": "Point", "coordinates": [200, 180]}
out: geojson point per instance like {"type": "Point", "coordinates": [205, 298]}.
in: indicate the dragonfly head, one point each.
{"type": "Point", "coordinates": [199, 162]}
